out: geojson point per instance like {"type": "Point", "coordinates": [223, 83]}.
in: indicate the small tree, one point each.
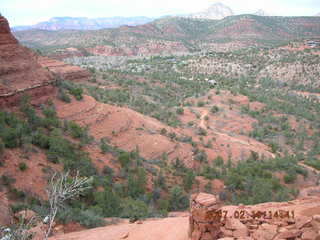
{"type": "Point", "coordinates": [62, 188]}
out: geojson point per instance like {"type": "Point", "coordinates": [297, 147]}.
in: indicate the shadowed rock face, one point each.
{"type": "Point", "coordinates": [20, 72]}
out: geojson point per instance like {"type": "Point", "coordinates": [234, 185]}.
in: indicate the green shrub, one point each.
{"type": "Point", "coordinates": [76, 131]}
{"type": "Point", "coordinates": [164, 205]}
{"type": "Point", "coordinates": [17, 207]}
{"type": "Point", "coordinates": [104, 146]}
{"type": "Point", "coordinates": [200, 104]}
{"type": "Point", "coordinates": [40, 139]}
{"type": "Point", "coordinates": [73, 89]}
{"type": "Point", "coordinates": [178, 200]}
{"type": "Point", "coordinates": [214, 109]}
{"type": "Point", "coordinates": [188, 180]}
{"type": "Point", "coordinates": [137, 183]}
{"type": "Point", "coordinates": [202, 132]}
{"type": "Point", "coordinates": [63, 96]}
{"type": "Point", "coordinates": [218, 161]}
{"type": "Point", "coordinates": [180, 111]}
{"type": "Point", "coordinates": [108, 201]}
{"type": "Point", "coordinates": [16, 194]}
{"type": "Point", "coordinates": [77, 93]}
{"type": "Point", "coordinates": [163, 131]}
{"type": "Point", "coordinates": [124, 159]}
{"type": "Point", "coordinates": [23, 166]}
{"type": "Point", "coordinates": [274, 147]}
{"type": "Point", "coordinates": [87, 218]}
{"type": "Point", "coordinates": [134, 209]}
{"type": "Point", "coordinates": [172, 135]}
{"type": "Point", "coordinates": [90, 219]}
{"type": "Point", "coordinates": [290, 177]}
{"type": "Point", "coordinates": [2, 147]}
{"type": "Point", "coordinates": [7, 180]}
{"type": "Point", "coordinates": [11, 137]}
{"type": "Point", "coordinates": [49, 112]}
{"type": "Point", "coordinates": [108, 171]}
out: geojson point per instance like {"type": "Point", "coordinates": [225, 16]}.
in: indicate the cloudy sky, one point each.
{"type": "Point", "coordinates": [25, 12]}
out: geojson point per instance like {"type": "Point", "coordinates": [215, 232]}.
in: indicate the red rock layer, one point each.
{"type": "Point", "coordinates": [65, 71]}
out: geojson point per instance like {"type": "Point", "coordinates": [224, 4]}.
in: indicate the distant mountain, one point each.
{"type": "Point", "coordinates": [179, 33]}
{"type": "Point", "coordinates": [262, 12]}
{"type": "Point", "coordinates": [83, 23]}
{"type": "Point", "coordinates": [318, 15]}
{"type": "Point", "coordinates": [215, 11]}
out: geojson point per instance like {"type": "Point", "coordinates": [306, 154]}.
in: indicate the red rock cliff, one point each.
{"type": "Point", "coordinates": [20, 72]}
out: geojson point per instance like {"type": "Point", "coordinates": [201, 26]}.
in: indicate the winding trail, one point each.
{"type": "Point", "coordinates": [202, 119]}
{"type": "Point", "coordinates": [312, 190]}
{"type": "Point", "coordinates": [302, 164]}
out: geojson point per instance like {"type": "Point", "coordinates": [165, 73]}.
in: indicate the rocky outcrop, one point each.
{"type": "Point", "coordinates": [20, 72]}
{"type": "Point", "coordinates": [63, 70]}
{"type": "Point", "coordinates": [298, 219]}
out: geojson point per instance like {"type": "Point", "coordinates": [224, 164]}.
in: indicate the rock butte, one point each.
{"type": "Point", "coordinates": [23, 71]}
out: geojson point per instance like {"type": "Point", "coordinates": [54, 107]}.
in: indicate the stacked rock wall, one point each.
{"type": "Point", "coordinates": [298, 219]}
{"type": "Point", "coordinates": [205, 223]}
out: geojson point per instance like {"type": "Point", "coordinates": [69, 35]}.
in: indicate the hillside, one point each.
{"type": "Point", "coordinates": [175, 35]}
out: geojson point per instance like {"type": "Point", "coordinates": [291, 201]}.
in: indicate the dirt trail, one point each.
{"type": "Point", "coordinates": [202, 119]}
{"type": "Point", "coordinates": [302, 164]}
{"type": "Point", "coordinates": [312, 190]}
{"type": "Point", "coordinates": [175, 228]}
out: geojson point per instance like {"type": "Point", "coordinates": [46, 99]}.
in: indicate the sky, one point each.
{"type": "Point", "coordinates": [27, 12]}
